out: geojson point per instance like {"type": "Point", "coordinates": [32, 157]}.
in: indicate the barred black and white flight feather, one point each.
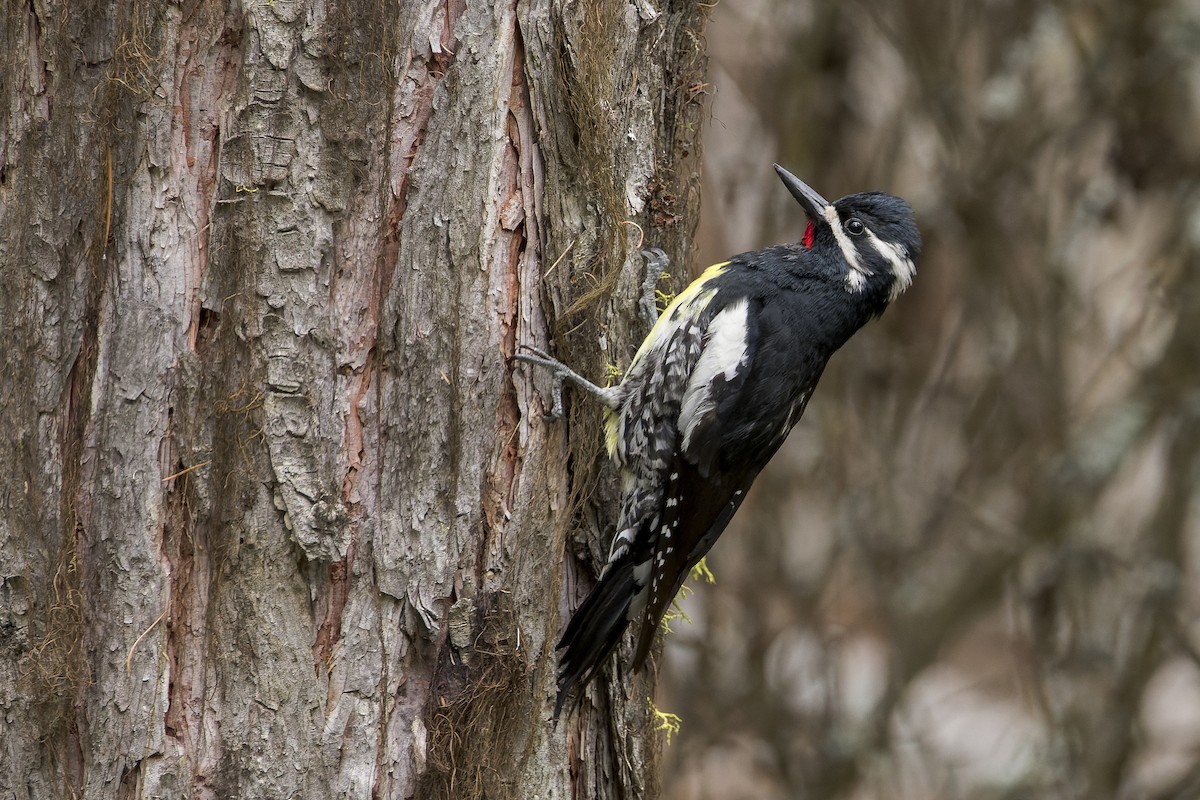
{"type": "Point", "coordinates": [713, 392]}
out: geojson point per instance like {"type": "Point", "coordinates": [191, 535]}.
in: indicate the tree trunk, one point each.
{"type": "Point", "coordinates": [278, 519]}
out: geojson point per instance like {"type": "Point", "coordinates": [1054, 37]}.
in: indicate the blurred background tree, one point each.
{"type": "Point", "coordinates": [972, 571]}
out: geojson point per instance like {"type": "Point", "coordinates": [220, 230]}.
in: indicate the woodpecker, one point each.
{"type": "Point", "coordinates": [712, 393]}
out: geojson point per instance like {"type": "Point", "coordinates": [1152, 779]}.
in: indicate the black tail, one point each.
{"type": "Point", "coordinates": [593, 632]}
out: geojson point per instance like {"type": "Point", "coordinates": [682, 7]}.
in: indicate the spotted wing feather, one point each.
{"type": "Point", "coordinates": [642, 439]}
{"type": "Point", "coordinates": [697, 510]}
{"type": "Point", "coordinates": [702, 490]}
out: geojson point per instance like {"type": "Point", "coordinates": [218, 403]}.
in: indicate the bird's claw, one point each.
{"type": "Point", "coordinates": [558, 373]}
{"type": "Point", "coordinates": [542, 354]}
{"type": "Point", "coordinates": [656, 265]}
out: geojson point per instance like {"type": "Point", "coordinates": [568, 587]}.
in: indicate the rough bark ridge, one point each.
{"type": "Point", "coordinates": [278, 519]}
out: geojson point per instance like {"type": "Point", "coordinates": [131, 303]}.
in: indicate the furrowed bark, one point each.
{"type": "Point", "coordinates": [279, 519]}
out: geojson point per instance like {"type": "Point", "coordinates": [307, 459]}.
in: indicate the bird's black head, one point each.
{"type": "Point", "coordinates": [872, 237]}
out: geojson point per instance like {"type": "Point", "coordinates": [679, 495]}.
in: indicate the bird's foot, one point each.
{"type": "Point", "coordinates": [560, 373]}
{"type": "Point", "coordinates": [656, 267]}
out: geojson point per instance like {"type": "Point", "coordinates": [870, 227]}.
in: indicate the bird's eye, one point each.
{"type": "Point", "coordinates": [854, 226]}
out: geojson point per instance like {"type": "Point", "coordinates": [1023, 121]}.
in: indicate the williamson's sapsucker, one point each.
{"type": "Point", "coordinates": [712, 393]}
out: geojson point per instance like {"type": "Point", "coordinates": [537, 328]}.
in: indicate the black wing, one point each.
{"type": "Point", "coordinates": [726, 440]}
{"type": "Point", "coordinates": [703, 507]}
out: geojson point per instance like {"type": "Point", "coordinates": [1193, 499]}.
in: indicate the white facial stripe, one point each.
{"type": "Point", "coordinates": [722, 355]}
{"type": "Point", "coordinates": [857, 278]}
{"type": "Point", "coordinates": [896, 257]}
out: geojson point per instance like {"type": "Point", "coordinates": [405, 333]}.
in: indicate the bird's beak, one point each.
{"type": "Point", "coordinates": [812, 202]}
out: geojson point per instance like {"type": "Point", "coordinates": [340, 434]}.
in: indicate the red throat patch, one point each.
{"type": "Point", "coordinates": [808, 237]}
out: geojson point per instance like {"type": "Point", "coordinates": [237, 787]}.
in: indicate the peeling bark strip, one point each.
{"type": "Point", "coordinates": [281, 520]}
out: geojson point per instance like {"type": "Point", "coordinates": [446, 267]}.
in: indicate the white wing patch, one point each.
{"type": "Point", "coordinates": [681, 310]}
{"type": "Point", "coordinates": [897, 258]}
{"type": "Point", "coordinates": [723, 354]}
